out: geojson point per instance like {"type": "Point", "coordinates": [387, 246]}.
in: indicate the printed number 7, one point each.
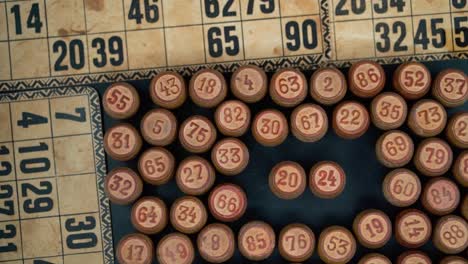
{"type": "Point", "coordinates": [81, 117]}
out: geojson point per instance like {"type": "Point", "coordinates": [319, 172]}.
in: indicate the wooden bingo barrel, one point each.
{"type": "Point", "coordinates": [328, 86]}
{"type": "Point", "coordinates": [256, 240]}
{"type": "Point", "coordinates": [453, 260]}
{"type": "Point", "coordinates": [427, 118]}
{"type": "Point", "coordinates": [394, 149]}
{"type": "Point", "coordinates": [457, 130]}
{"type": "Point", "coordinates": [121, 101]}
{"type": "Point", "coordinates": [122, 142]}
{"type": "Point", "coordinates": [288, 87]}
{"type": "Point", "coordinates": [123, 186]}
{"type": "Point", "coordinates": [175, 248]}
{"type": "Point", "coordinates": [168, 90]}
{"type": "Point", "coordinates": [366, 79]}
{"type": "Point", "coordinates": [433, 157]}
{"type": "Point", "coordinates": [232, 118]}
{"type": "Point", "coordinates": [149, 215]}
{"type": "Point", "coordinates": [227, 202]}
{"type": "Point", "coordinates": [230, 156]}
{"type": "Point", "coordinates": [412, 228]}
{"type": "Point", "coordinates": [188, 215]}
{"type": "Point", "coordinates": [451, 87]}
{"type": "Point", "coordinates": [440, 196]}
{"type": "Point", "coordinates": [159, 127]}
{"type": "Point", "coordinates": [287, 180]}
{"type": "Point", "coordinates": [249, 83]}
{"type": "Point", "coordinates": [460, 169]}
{"type": "Point", "coordinates": [374, 258]}
{"type": "Point", "coordinates": [207, 88]}
{"type": "Point", "coordinates": [451, 234]}
{"type": "Point", "coordinates": [135, 249]}
{"type": "Point", "coordinates": [309, 122]}
{"type": "Point", "coordinates": [373, 228]}
{"type": "Point", "coordinates": [327, 179]}
{"type": "Point", "coordinates": [197, 134]}
{"type": "Point", "coordinates": [156, 166]}
{"type": "Point", "coordinates": [336, 245]}
{"type": "Point", "coordinates": [412, 80]}
{"type": "Point", "coordinates": [413, 257]}
{"type": "Point", "coordinates": [296, 242]}
{"type": "Point", "coordinates": [350, 120]}
{"type": "Point", "coordinates": [388, 111]}
{"type": "Point", "coordinates": [216, 243]}
{"type": "Point", "coordinates": [195, 175]}
{"type": "Point", "coordinates": [270, 128]}
{"type": "Point", "coordinates": [401, 187]}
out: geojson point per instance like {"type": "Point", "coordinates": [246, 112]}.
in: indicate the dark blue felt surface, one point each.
{"type": "Point", "coordinates": [357, 157]}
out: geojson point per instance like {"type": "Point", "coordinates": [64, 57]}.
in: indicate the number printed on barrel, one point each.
{"type": "Point", "coordinates": [156, 166]}
{"type": "Point", "coordinates": [230, 156]}
{"type": "Point", "coordinates": [135, 249]}
{"type": "Point", "coordinates": [175, 248]}
{"type": "Point", "coordinates": [441, 196]}
{"type": "Point", "coordinates": [232, 118]}
{"type": "Point", "coordinates": [402, 187]}
{"type": "Point", "coordinates": [373, 228]}
{"type": "Point", "coordinates": [149, 215]}
{"type": "Point", "coordinates": [336, 245]}
{"type": "Point", "coordinates": [168, 90]}
{"type": "Point", "coordinates": [296, 242]}
{"type": "Point", "coordinates": [412, 228]}
{"type": "Point", "coordinates": [121, 101]}
{"type": "Point", "coordinates": [451, 234]}
{"type": "Point", "coordinates": [270, 128]}
{"type": "Point", "coordinates": [457, 130]}
{"type": "Point", "coordinates": [350, 120]}
{"type": "Point", "coordinates": [227, 202]}
{"type": "Point", "coordinates": [427, 118]}
{"type": "Point", "coordinates": [327, 179]}
{"type": "Point", "coordinates": [216, 243]}
{"type": "Point", "coordinates": [388, 111]}
{"type": "Point", "coordinates": [159, 127]}
{"type": "Point", "coordinates": [197, 134]}
{"type": "Point", "coordinates": [433, 157]}
{"type": "Point", "coordinates": [309, 122]}
{"type": "Point", "coordinates": [451, 87]}
{"type": "Point", "coordinates": [256, 240]}
{"type": "Point", "coordinates": [123, 186]}
{"type": "Point", "coordinates": [188, 214]}
{"type": "Point", "coordinates": [460, 169]}
{"type": "Point", "coordinates": [195, 175]}
{"type": "Point", "coordinates": [287, 180]}
{"type": "Point", "coordinates": [122, 142]}
{"type": "Point", "coordinates": [394, 149]}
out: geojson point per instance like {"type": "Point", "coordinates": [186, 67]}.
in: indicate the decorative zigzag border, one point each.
{"type": "Point", "coordinates": [100, 161]}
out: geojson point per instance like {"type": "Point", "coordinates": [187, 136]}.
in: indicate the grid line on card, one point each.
{"type": "Point", "coordinates": [373, 27]}
{"type": "Point", "coordinates": [86, 37]}
{"type": "Point", "coordinates": [281, 27]}
{"type": "Point", "coordinates": [97, 185]}
{"type": "Point", "coordinates": [203, 31]}
{"type": "Point", "coordinates": [8, 41]}
{"type": "Point", "coordinates": [56, 182]}
{"type": "Point", "coordinates": [164, 32]}
{"type": "Point", "coordinates": [16, 177]}
{"type": "Point", "coordinates": [242, 29]}
{"type": "Point", "coordinates": [48, 38]}
{"type": "Point", "coordinates": [412, 27]}
{"type": "Point", "coordinates": [452, 27]}
{"type": "Point", "coordinates": [125, 33]}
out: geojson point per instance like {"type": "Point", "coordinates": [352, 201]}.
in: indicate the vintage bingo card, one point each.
{"type": "Point", "coordinates": [52, 205]}
{"type": "Point", "coordinates": [394, 30]}
{"type": "Point", "coordinates": [56, 42]}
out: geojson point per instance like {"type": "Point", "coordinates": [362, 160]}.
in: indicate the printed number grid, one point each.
{"type": "Point", "coordinates": [398, 28]}
{"type": "Point", "coordinates": [49, 210]}
{"type": "Point", "coordinates": [95, 36]}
